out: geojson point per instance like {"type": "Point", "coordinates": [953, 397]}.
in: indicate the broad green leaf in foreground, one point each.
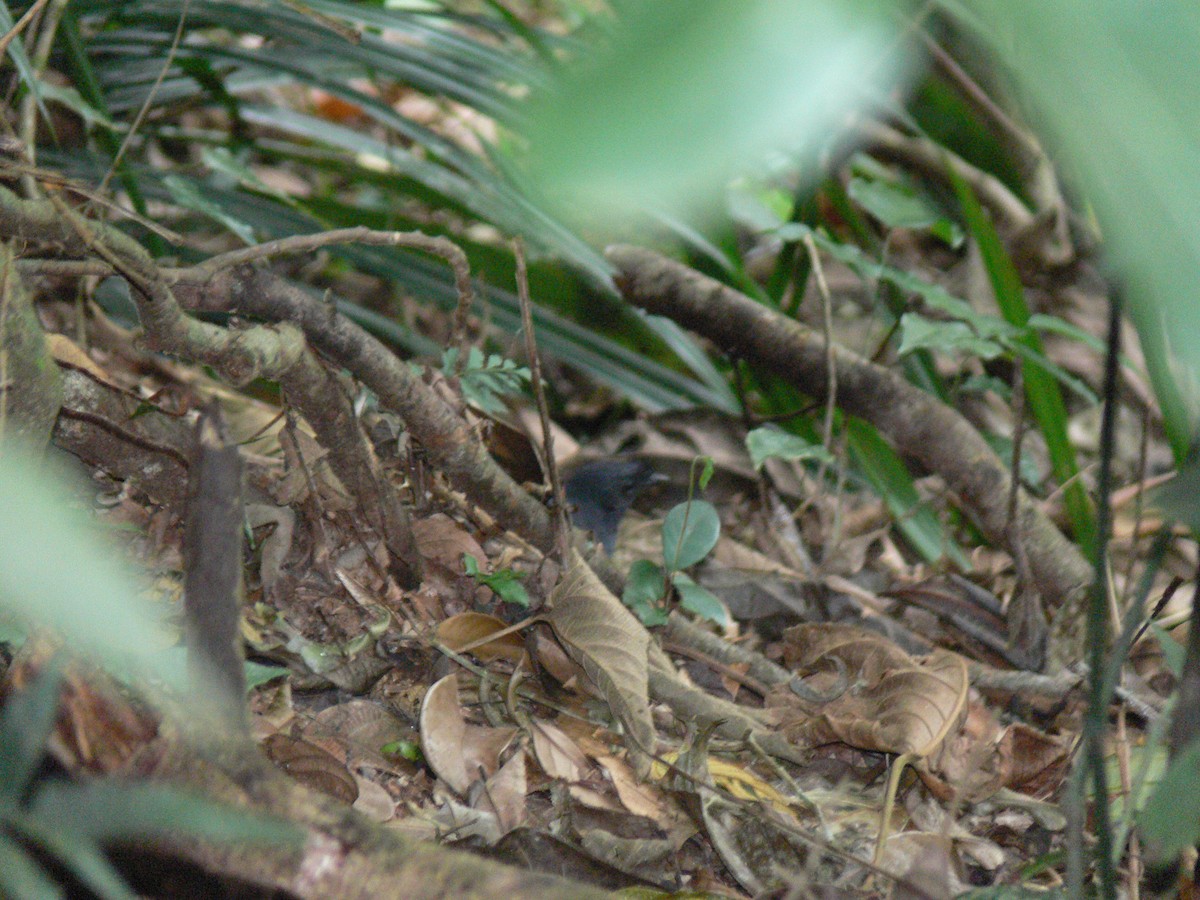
{"type": "Point", "coordinates": [683, 94]}
{"type": "Point", "coordinates": [56, 571]}
{"type": "Point", "coordinates": [1122, 102]}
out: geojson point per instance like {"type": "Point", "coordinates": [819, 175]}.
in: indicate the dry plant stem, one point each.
{"type": "Point", "coordinates": [21, 24]}
{"type": "Point", "coordinates": [278, 352]}
{"type": "Point", "coordinates": [562, 528]}
{"type": "Point", "coordinates": [29, 105]}
{"type": "Point", "coordinates": [920, 427]}
{"type": "Point", "coordinates": [306, 243]}
{"type": "Point", "coordinates": [102, 189]}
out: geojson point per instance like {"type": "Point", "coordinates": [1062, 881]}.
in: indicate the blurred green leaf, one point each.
{"type": "Point", "coordinates": [56, 570]}
{"type": "Point", "coordinates": [953, 337]}
{"type": "Point", "coordinates": [689, 532]}
{"type": "Point", "coordinates": [643, 592]}
{"type": "Point", "coordinates": [72, 100]}
{"type": "Point", "coordinates": [1172, 650]}
{"type": "Point", "coordinates": [111, 810]}
{"type": "Point", "coordinates": [1106, 78]}
{"type": "Point", "coordinates": [20, 876]}
{"type": "Point", "coordinates": [26, 721]}
{"type": "Point", "coordinates": [190, 195]}
{"type": "Point", "coordinates": [897, 204]}
{"type": "Point", "coordinates": [699, 600]}
{"type": "Point", "coordinates": [771, 441]}
{"type": "Point", "coordinates": [681, 94]}
{"type": "Point", "coordinates": [1170, 821]}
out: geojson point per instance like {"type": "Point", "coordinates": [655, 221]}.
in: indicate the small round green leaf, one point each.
{"type": "Point", "coordinates": [690, 531]}
{"type": "Point", "coordinates": [700, 601]}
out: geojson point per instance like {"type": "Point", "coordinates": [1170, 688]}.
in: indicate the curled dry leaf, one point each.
{"type": "Point", "coordinates": [312, 766]}
{"type": "Point", "coordinates": [504, 795]}
{"type": "Point", "coordinates": [469, 628]}
{"type": "Point", "coordinates": [890, 702]}
{"type": "Point", "coordinates": [442, 541]}
{"type": "Point", "coordinates": [557, 754]}
{"type": "Point", "coordinates": [360, 729]}
{"type": "Point", "coordinates": [611, 645]}
{"type": "Point", "coordinates": [457, 751]}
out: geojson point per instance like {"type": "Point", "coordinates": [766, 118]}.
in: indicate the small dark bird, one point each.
{"type": "Point", "coordinates": [600, 492]}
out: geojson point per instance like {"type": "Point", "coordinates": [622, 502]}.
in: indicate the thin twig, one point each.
{"type": "Point", "coordinates": [831, 369]}
{"type": "Point", "coordinates": [29, 106]}
{"type": "Point", "coordinates": [306, 243]}
{"type": "Point", "coordinates": [146, 104]}
{"type": "Point", "coordinates": [21, 24]}
{"type": "Point", "coordinates": [562, 530]}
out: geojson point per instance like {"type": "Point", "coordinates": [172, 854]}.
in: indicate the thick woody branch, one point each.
{"type": "Point", "coordinates": [240, 354]}
{"type": "Point", "coordinates": [918, 425]}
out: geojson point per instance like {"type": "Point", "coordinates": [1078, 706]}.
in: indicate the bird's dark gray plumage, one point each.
{"type": "Point", "coordinates": [600, 492]}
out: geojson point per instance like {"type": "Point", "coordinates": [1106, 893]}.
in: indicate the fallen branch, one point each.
{"type": "Point", "coordinates": [918, 425]}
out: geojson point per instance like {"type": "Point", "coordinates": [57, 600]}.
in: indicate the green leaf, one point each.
{"type": "Point", "coordinates": [1170, 821]}
{"type": "Point", "coordinates": [700, 601]}
{"type": "Point", "coordinates": [1172, 650]}
{"type": "Point", "coordinates": [1134, 155]}
{"type": "Point", "coordinates": [689, 532]}
{"type": "Point", "coordinates": [1042, 394]}
{"type": "Point", "coordinates": [112, 810]}
{"type": "Point", "coordinates": [683, 92]}
{"type": "Point", "coordinates": [77, 854]}
{"type": "Point", "coordinates": [898, 205]}
{"type": "Point", "coordinates": [920, 333]}
{"type": "Point", "coordinates": [188, 194]}
{"type": "Point", "coordinates": [21, 877]}
{"type": "Point", "coordinates": [505, 583]}
{"type": "Point", "coordinates": [258, 674]}
{"type": "Point", "coordinates": [770, 441]}
{"type": "Point", "coordinates": [485, 381]}
{"type": "Point", "coordinates": [25, 725]}
{"type": "Point", "coordinates": [72, 100]}
{"type": "Point", "coordinates": [890, 479]}
{"type": "Point", "coordinates": [55, 570]}
{"type": "Point", "coordinates": [644, 592]}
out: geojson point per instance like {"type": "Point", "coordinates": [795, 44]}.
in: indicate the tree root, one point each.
{"type": "Point", "coordinates": [918, 425]}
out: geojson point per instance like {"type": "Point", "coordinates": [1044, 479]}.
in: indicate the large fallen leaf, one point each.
{"type": "Point", "coordinates": [457, 751]}
{"type": "Point", "coordinates": [888, 702]}
{"type": "Point", "coordinates": [600, 634]}
{"type": "Point", "coordinates": [557, 754]}
{"type": "Point", "coordinates": [470, 629]}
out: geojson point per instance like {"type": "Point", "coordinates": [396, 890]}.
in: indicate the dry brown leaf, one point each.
{"type": "Point", "coordinates": [893, 703]}
{"type": "Point", "coordinates": [504, 794]}
{"type": "Point", "coordinates": [643, 798]}
{"type": "Point", "coordinates": [312, 766]}
{"type": "Point", "coordinates": [374, 801]}
{"type": "Point", "coordinates": [443, 542]}
{"type": "Point", "coordinates": [457, 751]}
{"type": "Point", "coordinates": [558, 755]}
{"type": "Point", "coordinates": [604, 637]}
{"type": "Point", "coordinates": [1039, 761]}
{"type": "Point", "coordinates": [66, 351]}
{"type": "Point", "coordinates": [467, 629]}
{"type": "Point", "coordinates": [361, 728]}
